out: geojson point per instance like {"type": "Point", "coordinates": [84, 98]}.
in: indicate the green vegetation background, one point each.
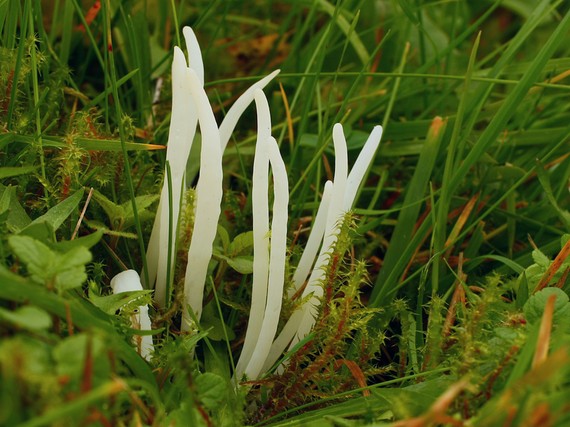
{"type": "Point", "coordinates": [461, 227]}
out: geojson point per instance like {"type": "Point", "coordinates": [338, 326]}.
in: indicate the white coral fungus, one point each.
{"type": "Point", "coordinates": [190, 107]}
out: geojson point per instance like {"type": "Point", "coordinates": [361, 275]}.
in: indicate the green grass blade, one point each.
{"type": "Point", "coordinates": [440, 231]}
{"type": "Point", "coordinates": [394, 261]}
{"type": "Point", "coordinates": [511, 103]}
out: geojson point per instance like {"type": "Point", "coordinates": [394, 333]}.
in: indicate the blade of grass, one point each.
{"type": "Point", "coordinates": [393, 261]}
{"type": "Point", "coordinates": [511, 103]}
{"type": "Point", "coordinates": [443, 204]}
{"type": "Point", "coordinates": [36, 90]}
{"type": "Point", "coordinates": [14, 16]}
{"type": "Point", "coordinates": [345, 27]}
{"type": "Point", "coordinates": [106, 5]}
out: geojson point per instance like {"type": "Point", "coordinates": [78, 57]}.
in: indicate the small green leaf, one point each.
{"type": "Point", "coordinates": [42, 231]}
{"type": "Point", "coordinates": [70, 354]}
{"type": "Point", "coordinates": [64, 271]}
{"type": "Point", "coordinates": [59, 213]}
{"type": "Point", "coordinates": [241, 243]}
{"type": "Point", "coordinates": [534, 308]}
{"type": "Point", "coordinates": [142, 202]}
{"type": "Point", "coordinates": [212, 389]}
{"type": "Point", "coordinates": [241, 264]}
{"type": "Point", "coordinates": [17, 216]}
{"type": "Point", "coordinates": [5, 197]}
{"type": "Point", "coordinates": [540, 259]}
{"type": "Point", "coordinates": [110, 304]}
{"type": "Point", "coordinates": [72, 277]}
{"type": "Point", "coordinates": [10, 171]}
{"type": "Point", "coordinates": [224, 237]}
{"type": "Point", "coordinates": [38, 258]}
{"type": "Point", "coordinates": [522, 291]}
{"type": "Point", "coordinates": [87, 242]}
{"type": "Point", "coordinates": [27, 317]}
{"type": "Point", "coordinates": [115, 212]}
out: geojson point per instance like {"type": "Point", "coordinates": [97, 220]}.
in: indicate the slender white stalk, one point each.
{"type": "Point", "coordinates": [260, 205]}
{"type": "Point", "coordinates": [361, 166]}
{"type": "Point", "coordinates": [234, 113]}
{"type": "Point", "coordinates": [276, 264]}
{"type": "Point", "coordinates": [130, 281]}
{"type": "Point", "coordinates": [182, 130]}
{"type": "Point", "coordinates": [335, 213]}
{"type": "Point", "coordinates": [314, 242]}
{"type": "Point", "coordinates": [283, 339]}
{"type": "Point", "coordinates": [208, 203]}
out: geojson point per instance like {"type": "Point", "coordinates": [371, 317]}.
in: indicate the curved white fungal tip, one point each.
{"type": "Point", "coordinates": [361, 166]}
{"type": "Point", "coordinates": [263, 116]}
{"type": "Point", "coordinates": [276, 263]}
{"type": "Point", "coordinates": [128, 281]}
{"type": "Point", "coordinates": [208, 203]}
{"type": "Point", "coordinates": [178, 60]}
{"type": "Point", "coordinates": [234, 113]}
{"type": "Point", "coordinates": [195, 61]}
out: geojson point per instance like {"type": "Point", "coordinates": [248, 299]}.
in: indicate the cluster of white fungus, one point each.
{"type": "Point", "coordinates": [190, 108]}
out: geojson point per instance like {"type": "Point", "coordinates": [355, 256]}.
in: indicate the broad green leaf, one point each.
{"type": "Point", "coordinates": [241, 243]}
{"type": "Point", "coordinates": [522, 291]}
{"type": "Point", "coordinates": [121, 216]}
{"type": "Point", "coordinates": [224, 237]}
{"type": "Point", "coordinates": [241, 264]}
{"type": "Point", "coordinates": [42, 231]}
{"type": "Point", "coordinates": [143, 203]}
{"type": "Point", "coordinates": [540, 259]}
{"type": "Point", "coordinates": [27, 317]}
{"type": "Point", "coordinates": [116, 213]}
{"type": "Point", "coordinates": [59, 213]}
{"type": "Point", "coordinates": [211, 389]}
{"type": "Point", "coordinates": [10, 171]}
{"type": "Point", "coordinates": [64, 271]}
{"type": "Point", "coordinates": [211, 323]}
{"type": "Point", "coordinates": [38, 257]}
{"type": "Point", "coordinates": [70, 353]}
{"type": "Point", "coordinates": [71, 278]}
{"type": "Point", "coordinates": [96, 225]}
{"type": "Point", "coordinates": [534, 307]}
{"type": "Point", "coordinates": [87, 241]}
{"type": "Point", "coordinates": [17, 216]}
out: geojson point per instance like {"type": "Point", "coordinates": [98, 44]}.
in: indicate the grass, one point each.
{"type": "Point", "coordinates": [446, 298]}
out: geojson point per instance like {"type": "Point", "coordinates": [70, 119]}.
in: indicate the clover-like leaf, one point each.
{"type": "Point", "coordinates": [46, 266]}
{"type": "Point", "coordinates": [534, 307]}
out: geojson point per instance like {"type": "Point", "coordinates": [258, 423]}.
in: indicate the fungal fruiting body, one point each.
{"type": "Point", "coordinates": [127, 281]}
{"type": "Point", "coordinates": [190, 108]}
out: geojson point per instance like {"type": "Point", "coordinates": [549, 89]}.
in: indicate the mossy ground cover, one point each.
{"type": "Point", "coordinates": [445, 298]}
